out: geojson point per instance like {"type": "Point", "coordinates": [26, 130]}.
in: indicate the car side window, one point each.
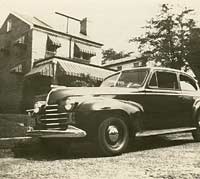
{"type": "Point", "coordinates": [167, 80]}
{"type": "Point", "coordinates": [153, 82]}
{"type": "Point", "coordinates": [187, 84]}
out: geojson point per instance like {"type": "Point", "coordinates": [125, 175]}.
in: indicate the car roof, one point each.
{"type": "Point", "coordinates": [157, 68]}
{"type": "Point", "coordinates": [154, 69]}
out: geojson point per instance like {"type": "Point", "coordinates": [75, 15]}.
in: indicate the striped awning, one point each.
{"type": "Point", "coordinates": [20, 40]}
{"type": "Point", "coordinates": [86, 48]}
{"type": "Point", "coordinates": [43, 69]}
{"type": "Point", "coordinates": [76, 69]}
{"type": "Point", "coordinates": [70, 68]}
{"type": "Point", "coordinates": [54, 41]}
{"type": "Point", "coordinates": [17, 69]}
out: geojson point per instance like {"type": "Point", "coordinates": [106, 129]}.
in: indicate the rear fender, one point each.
{"type": "Point", "coordinates": [196, 108]}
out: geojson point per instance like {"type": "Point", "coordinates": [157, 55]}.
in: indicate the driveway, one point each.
{"type": "Point", "coordinates": [174, 156]}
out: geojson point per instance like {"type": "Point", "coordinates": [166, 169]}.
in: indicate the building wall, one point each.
{"type": "Point", "coordinates": [39, 45]}
{"type": "Point", "coordinates": [96, 60]}
{"type": "Point", "coordinates": [12, 82]}
{"type": "Point", "coordinates": [128, 65]}
{"type": "Point", "coordinates": [12, 56]}
{"type": "Point", "coordinates": [65, 51]}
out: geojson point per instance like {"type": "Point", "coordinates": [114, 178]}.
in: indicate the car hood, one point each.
{"type": "Point", "coordinates": [58, 94]}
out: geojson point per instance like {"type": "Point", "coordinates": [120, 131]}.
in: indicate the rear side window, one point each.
{"type": "Point", "coordinates": [167, 80]}
{"type": "Point", "coordinates": [187, 83]}
{"type": "Point", "coordinates": [164, 80]}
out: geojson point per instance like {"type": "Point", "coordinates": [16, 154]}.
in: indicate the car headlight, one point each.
{"type": "Point", "coordinates": [70, 104]}
{"type": "Point", "coordinates": [37, 106]}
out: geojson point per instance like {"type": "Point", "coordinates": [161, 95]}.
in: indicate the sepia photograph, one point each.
{"type": "Point", "coordinates": [100, 89]}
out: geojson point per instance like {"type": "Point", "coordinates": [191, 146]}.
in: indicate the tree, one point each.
{"type": "Point", "coordinates": [167, 37]}
{"type": "Point", "coordinates": [193, 57]}
{"type": "Point", "coordinates": [111, 54]}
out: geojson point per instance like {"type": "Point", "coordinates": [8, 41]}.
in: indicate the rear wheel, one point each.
{"type": "Point", "coordinates": [113, 136]}
{"type": "Point", "coordinates": [196, 133]}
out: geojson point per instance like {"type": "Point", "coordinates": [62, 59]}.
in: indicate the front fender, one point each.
{"type": "Point", "coordinates": [94, 109]}
{"type": "Point", "coordinates": [109, 104]}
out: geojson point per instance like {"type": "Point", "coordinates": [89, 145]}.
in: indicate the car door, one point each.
{"type": "Point", "coordinates": [188, 96]}
{"type": "Point", "coordinates": [162, 102]}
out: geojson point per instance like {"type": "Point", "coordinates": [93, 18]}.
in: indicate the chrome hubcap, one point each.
{"type": "Point", "coordinates": [198, 120]}
{"type": "Point", "coordinates": [113, 133]}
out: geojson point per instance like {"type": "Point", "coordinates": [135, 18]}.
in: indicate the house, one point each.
{"type": "Point", "coordinates": [34, 55]}
{"type": "Point", "coordinates": [124, 63]}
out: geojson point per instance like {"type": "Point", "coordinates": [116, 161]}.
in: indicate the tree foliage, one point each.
{"type": "Point", "coordinates": [167, 37]}
{"type": "Point", "coordinates": [84, 80]}
{"type": "Point", "coordinates": [194, 52]}
{"type": "Point", "coordinates": [111, 54]}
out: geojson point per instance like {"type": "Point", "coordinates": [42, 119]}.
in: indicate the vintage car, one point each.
{"type": "Point", "coordinates": [136, 102]}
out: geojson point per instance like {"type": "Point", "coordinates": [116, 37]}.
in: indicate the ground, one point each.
{"type": "Point", "coordinates": [168, 157]}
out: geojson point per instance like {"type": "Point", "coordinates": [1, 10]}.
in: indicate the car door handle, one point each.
{"type": "Point", "coordinates": [181, 97]}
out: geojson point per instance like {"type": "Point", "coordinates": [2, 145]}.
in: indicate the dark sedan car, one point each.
{"type": "Point", "coordinates": [136, 102]}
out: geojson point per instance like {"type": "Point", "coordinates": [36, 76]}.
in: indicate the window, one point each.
{"type": "Point", "coordinates": [137, 64]}
{"type": "Point", "coordinates": [84, 51]}
{"type": "Point", "coordinates": [52, 45]}
{"type": "Point", "coordinates": [119, 68]}
{"type": "Point", "coordinates": [153, 82]}
{"type": "Point", "coordinates": [20, 40]}
{"type": "Point", "coordinates": [164, 80]}
{"type": "Point", "coordinates": [4, 51]}
{"type": "Point", "coordinates": [132, 78]}
{"type": "Point", "coordinates": [17, 69]}
{"type": "Point", "coordinates": [21, 46]}
{"type": "Point", "coordinates": [110, 81]}
{"type": "Point", "coordinates": [9, 26]}
{"type": "Point", "coordinates": [187, 84]}
{"type": "Point", "coordinates": [128, 79]}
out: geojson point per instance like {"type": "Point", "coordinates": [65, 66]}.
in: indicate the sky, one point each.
{"type": "Point", "coordinates": [111, 22]}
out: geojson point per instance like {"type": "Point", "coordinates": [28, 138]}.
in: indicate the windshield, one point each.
{"type": "Point", "coordinates": [110, 81]}
{"type": "Point", "coordinates": [129, 79]}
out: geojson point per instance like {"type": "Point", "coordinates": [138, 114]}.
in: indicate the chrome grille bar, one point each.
{"type": "Point", "coordinates": [53, 119]}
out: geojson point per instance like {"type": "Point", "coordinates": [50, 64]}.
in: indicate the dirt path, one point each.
{"type": "Point", "coordinates": [170, 157]}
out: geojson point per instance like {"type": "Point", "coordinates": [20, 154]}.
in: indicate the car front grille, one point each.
{"type": "Point", "coordinates": [52, 118]}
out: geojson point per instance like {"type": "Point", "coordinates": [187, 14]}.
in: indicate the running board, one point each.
{"type": "Point", "coordinates": [164, 131]}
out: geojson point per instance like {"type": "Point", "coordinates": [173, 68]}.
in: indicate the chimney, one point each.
{"type": "Point", "coordinates": [83, 26]}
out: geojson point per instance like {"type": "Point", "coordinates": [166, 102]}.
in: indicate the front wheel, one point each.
{"type": "Point", "coordinates": [196, 133]}
{"type": "Point", "coordinates": [113, 136]}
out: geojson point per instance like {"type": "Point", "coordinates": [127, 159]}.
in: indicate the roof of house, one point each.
{"type": "Point", "coordinates": [121, 61]}
{"type": "Point", "coordinates": [31, 20]}
{"type": "Point", "coordinates": [38, 23]}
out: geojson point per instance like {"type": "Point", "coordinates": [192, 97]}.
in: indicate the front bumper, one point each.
{"type": "Point", "coordinates": [70, 132]}
{"type": "Point", "coordinates": [53, 124]}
